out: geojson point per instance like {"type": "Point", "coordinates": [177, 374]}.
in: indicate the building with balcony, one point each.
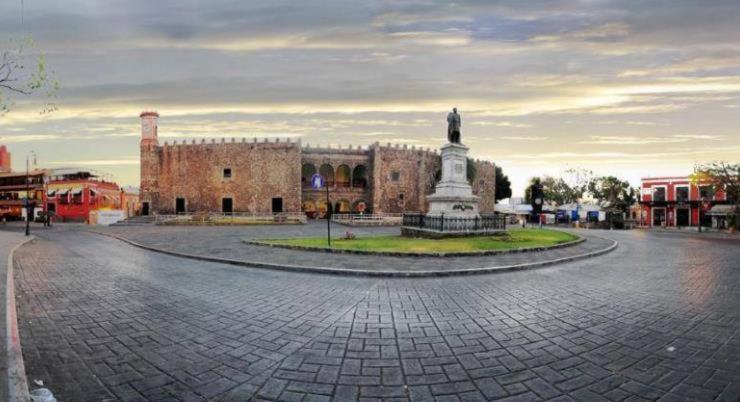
{"type": "Point", "coordinates": [677, 202]}
{"type": "Point", "coordinates": [71, 194]}
{"type": "Point", "coordinates": [15, 188]}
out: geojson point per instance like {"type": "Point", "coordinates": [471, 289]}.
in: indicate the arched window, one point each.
{"type": "Point", "coordinates": [307, 171]}
{"type": "Point", "coordinates": [343, 176]}
{"type": "Point", "coordinates": [309, 208]}
{"type": "Point", "coordinates": [328, 172]}
{"type": "Point", "coordinates": [359, 176]}
{"type": "Point", "coordinates": [342, 207]}
{"type": "Point", "coordinates": [359, 207]}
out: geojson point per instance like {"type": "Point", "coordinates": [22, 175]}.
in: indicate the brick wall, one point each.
{"type": "Point", "coordinates": [398, 178]}
{"type": "Point", "coordinates": [195, 172]}
{"type": "Point", "coordinates": [402, 178]}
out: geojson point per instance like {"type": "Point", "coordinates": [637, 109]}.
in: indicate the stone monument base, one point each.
{"type": "Point", "coordinates": [453, 209]}
{"type": "Point", "coordinates": [439, 226]}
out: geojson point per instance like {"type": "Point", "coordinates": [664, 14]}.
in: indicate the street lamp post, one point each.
{"type": "Point", "coordinates": [28, 199]}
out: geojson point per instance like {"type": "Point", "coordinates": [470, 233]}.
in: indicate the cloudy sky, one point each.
{"type": "Point", "coordinates": [629, 88]}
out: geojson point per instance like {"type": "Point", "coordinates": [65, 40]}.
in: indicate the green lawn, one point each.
{"type": "Point", "coordinates": [512, 239]}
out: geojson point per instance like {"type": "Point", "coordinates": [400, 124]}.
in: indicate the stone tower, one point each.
{"type": "Point", "coordinates": [150, 162]}
{"type": "Point", "coordinates": [149, 128]}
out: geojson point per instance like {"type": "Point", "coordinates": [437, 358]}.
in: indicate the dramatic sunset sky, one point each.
{"type": "Point", "coordinates": [628, 88]}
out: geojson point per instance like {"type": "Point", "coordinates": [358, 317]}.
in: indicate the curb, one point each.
{"type": "Point", "coordinates": [696, 235]}
{"type": "Point", "coordinates": [361, 272]}
{"type": "Point", "coordinates": [579, 240]}
{"type": "Point", "coordinates": [17, 381]}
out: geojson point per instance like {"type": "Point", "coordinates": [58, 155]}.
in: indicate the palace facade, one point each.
{"type": "Point", "coordinates": [264, 177]}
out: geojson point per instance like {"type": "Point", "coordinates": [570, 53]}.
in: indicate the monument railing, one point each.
{"type": "Point", "coordinates": [368, 219]}
{"type": "Point", "coordinates": [442, 223]}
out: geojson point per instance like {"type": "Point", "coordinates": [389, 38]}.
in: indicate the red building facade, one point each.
{"type": "Point", "coordinates": [72, 195]}
{"type": "Point", "coordinates": [676, 202]}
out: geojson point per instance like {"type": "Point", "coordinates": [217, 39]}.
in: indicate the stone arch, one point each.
{"type": "Point", "coordinates": [344, 175]}
{"type": "Point", "coordinates": [328, 172]}
{"type": "Point", "coordinates": [321, 208]}
{"type": "Point", "coordinates": [359, 207]}
{"type": "Point", "coordinates": [342, 206]}
{"type": "Point", "coordinates": [307, 170]}
{"type": "Point", "coordinates": [359, 176]}
{"type": "Point", "coordinates": [309, 208]}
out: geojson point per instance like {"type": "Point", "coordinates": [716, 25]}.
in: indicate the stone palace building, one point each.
{"type": "Point", "coordinates": [265, 177]}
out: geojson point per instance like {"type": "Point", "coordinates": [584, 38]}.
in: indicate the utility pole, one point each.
{"type": "Point", "coordinates": [28, 198]}
{"type": "Point", "coordinates": [328, 216]}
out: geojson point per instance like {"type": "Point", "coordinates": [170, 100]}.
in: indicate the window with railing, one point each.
{"type": "Point", "coordinates": [706, 193]}
{"type": "Point", "coordinates": [682, 194]}
{"type": "Point", "coordinates": [658, 194]}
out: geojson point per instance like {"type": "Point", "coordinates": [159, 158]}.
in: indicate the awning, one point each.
{"type": "Point", "coordinates": [721, 210]}
{"type": "Point", "coordinates": [76, 191]}
{"type": "Point", "coordinates": [62, 191]}
{"type": "Point", "coordinates": [51, 193]}
{"type": "Point", "coordinates": [92, 193]}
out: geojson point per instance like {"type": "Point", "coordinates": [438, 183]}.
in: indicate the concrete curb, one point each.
{"type": "Point", "coordinates": [579, 240]}
{"type": "Point", "coordinates": [17, 381]}
{"type": "Point", "coordinates": [362, 272]}
{"type": "Point", "coordinates": [696, 235]}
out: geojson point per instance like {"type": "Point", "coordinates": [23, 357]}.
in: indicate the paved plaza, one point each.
{"type": "Point", "coordinates": [228, 243]}
{"type": "Point", "coordinates": [656, 319]}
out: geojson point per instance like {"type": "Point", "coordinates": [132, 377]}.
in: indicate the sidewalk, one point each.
{"type": "Point", "coordinates": [712, 234]}
{"type": "Point", "coordinates": [13, 384]}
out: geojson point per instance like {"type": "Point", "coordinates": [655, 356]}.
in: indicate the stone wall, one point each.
{"type": "Point", "coordinates": [396, 179]}
{"type": "Point", "coordinates": [402, 178]}
{"type": "Point", "coordinates": [260, 171]}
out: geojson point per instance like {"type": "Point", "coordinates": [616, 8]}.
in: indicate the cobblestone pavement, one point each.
{"type": "Point", "coordinates": [228, 243]}
{"type": "Point", "coordinates": [656, 318]}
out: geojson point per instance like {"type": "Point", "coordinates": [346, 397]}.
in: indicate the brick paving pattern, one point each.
{"type": "Point", "coordinates": [228, 243]}
{"type": "Point", "coordinates": [103, 320]}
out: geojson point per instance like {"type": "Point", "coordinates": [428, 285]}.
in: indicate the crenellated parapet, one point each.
{"type": "Point", "coordinates": [256, 174]}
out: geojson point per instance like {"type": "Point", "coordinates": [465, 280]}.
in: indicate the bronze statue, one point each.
{"type": "Point", "coordinates": [453, 126]}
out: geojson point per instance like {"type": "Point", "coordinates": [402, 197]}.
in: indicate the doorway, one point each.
{"type": "Point", "coordinates": [179, 206]}
{"type": "Point", "coordinates": [658, 216]}
{"type": "Point", "coordinates": [227, 205]}
{"type": "Point", "coordinates": [277, 205]}
{"type": "Point", "coordinates": [145, 209]}
{"type": "Point", "coordinates": [682, 217]}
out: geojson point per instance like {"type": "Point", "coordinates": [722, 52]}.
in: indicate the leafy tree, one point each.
{"type": "Point", "coordinates": [725, 176]}
{"type": "Point", "coordinates": [618, 193]}
{"type": "Point", "coordinates": [471, 171]}
{"type": "Point", "coordinates": [577, 180]}
{"type": "Point", "coordinates": [528, 190]}
{"type": "Point", "coordinates": [503, 185]}
{"type": "Point", "coordinates": [556, 190]}
{"type": "Point", "coordinates": [22, 73]}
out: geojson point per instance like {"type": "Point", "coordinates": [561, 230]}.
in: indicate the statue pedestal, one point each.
{"type": "Point", "coordinates": [453, 195]}
{"type": "Point", "coordinates": [453, 209]}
